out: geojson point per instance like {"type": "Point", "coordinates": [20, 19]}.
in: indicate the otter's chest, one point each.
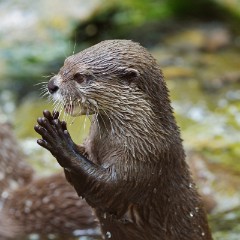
{"type": "Point", "coordinates": [103, 151]}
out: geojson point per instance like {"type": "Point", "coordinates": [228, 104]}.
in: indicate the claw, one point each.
{"type": "Point", "coordinates": [64, 125]}
{"type": "Point", "coordinates": [44, 144]}
{"type": "Point", "coordinates": [48, 115]}
{"type": "Point", "coordinates": [38, 129]}
{"type": "Point", "coordinates": [55, 114]}
{"type": "Point", "coordinates": [41, 120]}
{"type": "Point", "coordinates": [41, 142]}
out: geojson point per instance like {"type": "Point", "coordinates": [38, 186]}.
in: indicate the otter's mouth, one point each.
{"type": "Point", "coordinates": [73, 110]}
{"type": "Point", "coordinates": [76, 109]}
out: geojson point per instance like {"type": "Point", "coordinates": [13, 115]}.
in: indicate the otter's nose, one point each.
{"type": "Point", "coordinates": [52, 86]}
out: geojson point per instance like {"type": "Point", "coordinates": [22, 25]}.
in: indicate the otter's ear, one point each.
{"type": "Point", "coordinates": [128, 74]}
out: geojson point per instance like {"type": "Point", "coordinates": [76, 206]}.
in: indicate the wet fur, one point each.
{"type": "Point", "coordinates": [47, 205]}
{"type": "Point", "coordinates": [14, 171]}
{"type": "Point", "coordinates": [131, 169]}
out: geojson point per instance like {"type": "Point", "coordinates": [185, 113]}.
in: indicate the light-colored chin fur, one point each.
{"type": "Point", "coordinates": [77, 111]}
{"type": "Point", "coordinates": [73, 111]}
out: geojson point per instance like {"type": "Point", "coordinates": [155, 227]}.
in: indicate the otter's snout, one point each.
{"type": "Point", "coordinates": [52, 86]}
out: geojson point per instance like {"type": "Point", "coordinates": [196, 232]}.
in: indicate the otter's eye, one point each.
{"type": "Point", "coordinates": [78, 77]}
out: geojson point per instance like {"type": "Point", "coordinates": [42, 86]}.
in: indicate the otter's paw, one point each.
{"type": "Point", "coordinates": [55, 137]}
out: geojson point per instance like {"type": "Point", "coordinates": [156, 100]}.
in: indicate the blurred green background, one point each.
{"type": "Point", "coordinates": [197, 45]}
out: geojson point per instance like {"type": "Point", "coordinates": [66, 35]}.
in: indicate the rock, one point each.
{"type": "Point", "coordinates": [215, 39]}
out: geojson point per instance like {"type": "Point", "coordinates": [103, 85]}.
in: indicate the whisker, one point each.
{"type": "Point", "coordinates": [97, 122]}
{"type": "Point", "coordinates": [74, 47]}
{"type": "Point", "coordinates": [85, 120]}
{"type": "Point", "coordinates": [57, 105]}
{"type": "Point", "coordinates": [43, 94]}
{"type": "Point", "coordinates": [96, 119]}
{"type": "Point", "coordinates": [49, 76]}
{"type": "Point", "coordinates": [64, 113]}
{"type": "Point", "coordinates": [43, 87]}
{"type": "Point", "coordinates": [68, 102]}
{"type": "Point", "coordinates": [61, 109]}
{"type": "Point", "coordinates": [72, 121]}
{"type": "Point", "coordinates": [112, 129]}
{"type": "Point", "coordinates": [40, 83]}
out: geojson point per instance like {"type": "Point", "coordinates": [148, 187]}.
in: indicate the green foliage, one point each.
{"type": "Point", "coordinates": [224, 225]}
{"type": "Point", "coordinates": [138, 12]}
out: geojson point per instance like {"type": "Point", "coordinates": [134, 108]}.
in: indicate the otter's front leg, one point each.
{"type": "Point", "coordinates": [56, 138]}
{"type": "Point", "coordinates": [78, 169]}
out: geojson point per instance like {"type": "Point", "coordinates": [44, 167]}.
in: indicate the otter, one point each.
{"type": "Point", "coordinates": [41, 205]}
{"type": "Point", "coordinates": [48, 205]}
{"type": "Point", "coordinates": [131, 169]}
{"type": "Point", "coordinates": [14, 170]}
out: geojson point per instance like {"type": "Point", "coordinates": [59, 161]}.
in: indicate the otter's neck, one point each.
{"type": "Point", "coordinates": [139, 135]}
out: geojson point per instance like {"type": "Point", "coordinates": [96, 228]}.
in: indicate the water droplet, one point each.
{"type": "Point", "coordinates": [190, 185]}
{"type": "Point", "coordinates": [196, 209]}
{"type": "Point", "coordinates": [105, 215]}
{"type": "Point", "coordinates": [191, 214]}
{"type": "Point", "coordinates": [108, 235]}
{"type": "Point", "coordinates": [203, 233]}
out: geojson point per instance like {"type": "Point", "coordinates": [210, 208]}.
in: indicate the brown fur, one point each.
{"type": "Point", "coordinates": [44, 205]}
{"type": "Point", "coordinates": [49, 205]}
{"type": "Point", "coordinates": [14, 171]}
{"type": "Point", "coordinates": [132, 167]}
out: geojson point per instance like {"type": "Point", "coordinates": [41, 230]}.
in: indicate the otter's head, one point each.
{"type": "Point", "coordinates": [110, 77]}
